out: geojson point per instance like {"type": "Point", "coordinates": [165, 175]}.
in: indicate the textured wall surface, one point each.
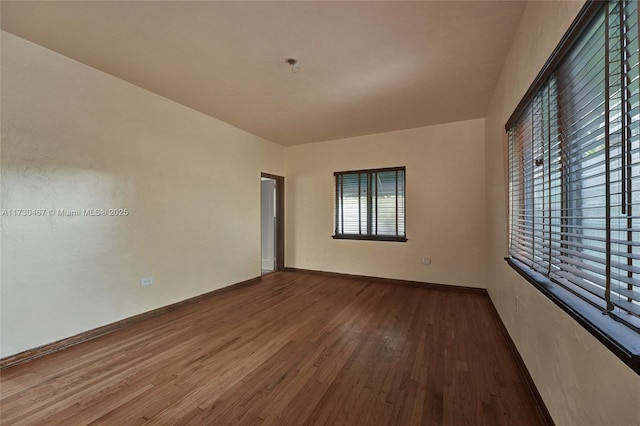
{"type": "Point", "coordinates": [73, 139]}
{"type": "Point", "coordinates": [444, 199]}
{"type": "Point", "coordinates": [581, 381]}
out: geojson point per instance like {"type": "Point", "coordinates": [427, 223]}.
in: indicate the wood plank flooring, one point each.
{"type": "Point", "coordinates": [293, 349]}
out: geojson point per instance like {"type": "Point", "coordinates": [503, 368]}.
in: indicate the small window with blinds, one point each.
{"type": "Point", "coordinates": [574, 176]}
{"type": "Point", "coordinates": [370, 205]}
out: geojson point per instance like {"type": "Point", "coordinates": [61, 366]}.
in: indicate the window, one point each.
{"type": "Point", "coordinates": [370, 204]}
{"type": "Point", "coordinates": [574, 177]}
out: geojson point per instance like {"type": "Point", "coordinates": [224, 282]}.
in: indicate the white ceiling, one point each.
{"type": "Point", "coordinates": [367, 67]}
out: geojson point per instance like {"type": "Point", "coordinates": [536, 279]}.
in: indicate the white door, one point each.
{"type": "Point", "coordinates": [268, 223]}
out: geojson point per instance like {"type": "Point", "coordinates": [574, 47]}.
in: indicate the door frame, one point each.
{"type": "Point", "coordinates": [279, 231]}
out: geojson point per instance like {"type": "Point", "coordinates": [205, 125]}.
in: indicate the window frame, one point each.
{"type": "Point", "coordinates": [369, 236]}
{"type": "Point", "coordinates": [623, 340]}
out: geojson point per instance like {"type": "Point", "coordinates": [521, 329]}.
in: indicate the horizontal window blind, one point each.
{"type": "Point", "coordinates": [574, 168]}
{"type": "Point", "coordinates": [370, 204]}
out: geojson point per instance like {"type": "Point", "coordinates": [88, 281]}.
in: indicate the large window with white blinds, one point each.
{"type": "Point", "coordinates": [370, 204]}
{"type": "Point", "coordinates": [574, 171]}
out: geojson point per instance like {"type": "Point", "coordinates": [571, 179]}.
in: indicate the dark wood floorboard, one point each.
{"type": "Point", "coordinates": [294, 349]}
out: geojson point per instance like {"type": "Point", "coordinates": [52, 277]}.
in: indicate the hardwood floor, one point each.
{"type": "Point", "coordinates": [293, 349]}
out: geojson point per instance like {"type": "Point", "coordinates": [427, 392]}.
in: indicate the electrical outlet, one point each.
{"type": "Point", "coordinates": [146, 281]}
{"type": "Point", "coordinates": [426, 260]}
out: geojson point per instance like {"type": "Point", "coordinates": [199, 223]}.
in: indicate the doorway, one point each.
{"type": "Point", "coordinates": [271, 223]}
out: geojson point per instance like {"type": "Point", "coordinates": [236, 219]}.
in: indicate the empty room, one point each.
{"type": "Point", "coordinates": [320, 212]}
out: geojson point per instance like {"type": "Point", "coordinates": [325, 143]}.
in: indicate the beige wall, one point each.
{"type": "Point", "coordinates": [581, 381]}
{"type": "Point", "coordinates": [76, 138]}
{"type": "Point", "coordinates": [445, 205]}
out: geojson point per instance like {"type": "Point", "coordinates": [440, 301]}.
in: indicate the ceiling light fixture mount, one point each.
{"type": "Point", "coordinates": [294, 64]}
